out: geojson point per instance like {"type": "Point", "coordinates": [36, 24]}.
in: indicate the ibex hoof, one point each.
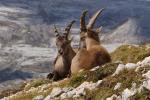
{"type": "Point", "coordinates": [50, 76]}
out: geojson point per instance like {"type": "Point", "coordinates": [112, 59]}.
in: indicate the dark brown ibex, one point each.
{"type": "Point", "coordinates": [91, 53]}
{"type": "Point", "coordinates": [65, 55]}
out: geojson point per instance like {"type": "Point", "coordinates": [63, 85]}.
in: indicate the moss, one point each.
{"type": "Point", "coordinates": [30, 95]}
{"type": "Point", "coordinates": [26, 96]}
{"type": "Point", "coordinates": [77, 79]}
{"type": "Point", "coordinates": [127, 77]}
{"type": "Point", "coordinates": [100, 94]}
{"type": "Point", "coordinates": [93, 76]}
{"type": "Point", "coordinates": [36, 83]}
{"type": "Point", "coordinates": [130, 53]}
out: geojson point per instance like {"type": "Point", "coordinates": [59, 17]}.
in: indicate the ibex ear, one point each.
{"type": "Point", "coordinates": [98, 30]}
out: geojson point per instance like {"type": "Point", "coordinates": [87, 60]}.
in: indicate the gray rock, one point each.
{"type": "Point", "coordinates": [40, 97]}
{"type": "Point", "coordinates": [48, 97]}
{"type": "Point", "coordinates": [64, 96]}
{"type": "Point", "coordinates": [56, 92]}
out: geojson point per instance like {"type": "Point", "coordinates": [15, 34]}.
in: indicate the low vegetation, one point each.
{"type": "Point", "coordinates": [130, 53]}
{"type": "Point", "coordinates": [124, 53]}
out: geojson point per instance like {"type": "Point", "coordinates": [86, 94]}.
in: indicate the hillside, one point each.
{"type": "Point", "coordinates": [27, 42]}
{"type": "Point", "coordinates": [126, 77]}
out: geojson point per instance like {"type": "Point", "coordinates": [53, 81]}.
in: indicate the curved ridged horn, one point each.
{"type": "Point", "coordinates": [82, 21]}
{"type": "Point", "coordinates": [56, 31]}
{"type": "Point", "coordinates": [93, 19]}
{"type": "Point", "coordinates": [67, 29]}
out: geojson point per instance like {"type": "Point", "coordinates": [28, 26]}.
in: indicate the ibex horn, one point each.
{"type": "Point", "coordinates": [93, 19]}
{"type": "Point", "coordinates": [56, 31]}
{"type": "Point", "coordinates": [98, 30]}
{"type": "Point", "coordinates": [82, 21]}
{"type": "Point", "coordinates": [67, 29]}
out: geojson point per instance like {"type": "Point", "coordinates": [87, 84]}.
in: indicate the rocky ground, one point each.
{"type": "Point", "coordinates": [27, 46]}
{"type": "Point", "coordinates": [127, 77]}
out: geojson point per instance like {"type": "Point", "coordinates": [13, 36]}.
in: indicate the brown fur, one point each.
{"type": "Point", "coordinates": [64, 57]}
{"type": "Point", "coordinates": [93, 55]}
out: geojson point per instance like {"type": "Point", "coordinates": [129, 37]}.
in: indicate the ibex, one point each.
{"type": "Point", "coordinates": [65, 55]}
{"type": "Point", "coordinates": [91, 53]}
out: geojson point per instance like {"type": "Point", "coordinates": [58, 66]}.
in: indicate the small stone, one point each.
{"type": "Point", "coordinates": [56, 92]}
{"type": "Point", "coordinates": [76, 96]}
{"type": "Point", "coordinates": [70, 94]}
{"type": "Point", "coordinates": [81, 92]}
{"type": "Point", "coordinates": [63, 96]}
{"type": "Point", "coordinates": [5, 98]}
{"type": "Point", "coordinates": [117, 86]}
{"type": "Point", "coordinates": [95, 68]}
{"type": "Point", "coordinates": [40, 97]}
{"type": "Point", "coordinates": [120, 68]}
{"type": "Point", "coordinates": [130, 66]}
{"type": "Point", "coordinates": [113, 97]}
{"type": "Point", "coordinates": [146, 84]}
{"type": "Point", "coordinates": [48, 97]}
{"type": "Point", "coordinates": [147, 75]}
{"type": "Point", "coordinates": [98, 83]}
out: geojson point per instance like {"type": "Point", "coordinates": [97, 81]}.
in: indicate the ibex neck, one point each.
{"type": "Point", "coordinates": [67, 57]}
{"type": "Point", "coordinates": [91, 42]}
{"type": "Point", "coordinates": [68, 53]}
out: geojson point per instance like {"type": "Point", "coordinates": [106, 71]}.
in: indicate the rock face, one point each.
{"type": "Point", "coordinates": [64, 93]}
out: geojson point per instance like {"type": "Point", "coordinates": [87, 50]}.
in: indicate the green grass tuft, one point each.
{"type": "Point", "coordinates": [130, 53]}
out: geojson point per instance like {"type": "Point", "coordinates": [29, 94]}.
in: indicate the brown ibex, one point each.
{"type": "Point", "coordinates": [65, 55]}
{"type": "Point", "coordinates": [91, 53]}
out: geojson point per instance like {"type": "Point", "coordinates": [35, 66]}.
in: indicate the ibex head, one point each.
{"type": "Point", "coordinates": [62, 40]}
{"type": "Point", "coordinates": [87, 30]}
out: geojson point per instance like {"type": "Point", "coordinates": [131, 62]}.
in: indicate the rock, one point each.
{"type": "Point", "coordinates": [71, 93]}
{"type": "Point", "coordinates": [56, 92]}
{"type": "Point", "coordinates": [117, 86]}
{"type": "Point", "coordinates": [130, 66]}
{"type": "Point", "coordinates": [147, 75]}
{"type": "Point", "coordinates": [95, 68]}
{"type": "Point", "coordinates": [5, 98]}
{"type": "Point", "coordinates": [146, 84]}
{"type": "Point", "coordinates": [120, 68]}
{"type": "Point", "coordinates": [98, 83]}
{"type": "Point", "coordinates": [64, 96]}
{"type": "Point", "coordinates": [129, 92]}
{"type": "Point", "coordinates": [145, 62]}
{"type": "Point", "coordinates": [48, 97]}
{"type": "Point", "coordinates": [76, 96]}
{"type": "Point", "coordinates": [81, 92]}
{"type": "Point", "coordinates": [113, 97]}
{"type": "Point", "coordinates": [40, 97]}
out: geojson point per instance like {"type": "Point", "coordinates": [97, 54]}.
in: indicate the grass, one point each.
{"type": "Point", "coordinates": [93, 76]}
{"type": "Point", "coordinates": [124, 53]}
{"type": "Point", "coordinates": [131, 54]}
{"type": "Point", "coordinates": [126, 78]}
{"type": "Point", "coordinates": [36, 83]}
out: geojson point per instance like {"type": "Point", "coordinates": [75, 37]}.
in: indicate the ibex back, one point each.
{"type": "Point", "coordinates": [91, 53]}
